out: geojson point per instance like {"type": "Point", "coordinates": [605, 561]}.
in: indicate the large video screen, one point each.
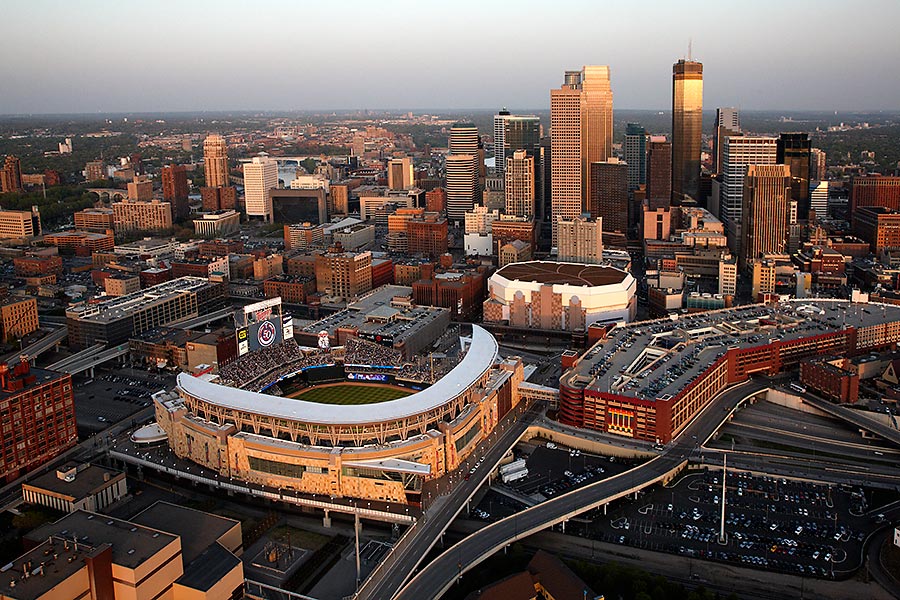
{"type": "Point", "coordinates": [265, 333]}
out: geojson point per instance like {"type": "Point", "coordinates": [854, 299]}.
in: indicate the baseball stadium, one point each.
{"type": "Point", "coordinates": [404, 398]}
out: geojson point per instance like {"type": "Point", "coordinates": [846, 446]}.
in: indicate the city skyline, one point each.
{"type": "Point", "coordinates": [145, 63]}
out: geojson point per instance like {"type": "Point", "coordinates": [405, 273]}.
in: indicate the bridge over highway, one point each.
{"type": "Point", "coordinates": [48, 342]}
{"type": "Point", "coordinates": [436, 578]}
{"type": "Point", "coordinates": [204, 319]}
{"type": "Point", "coordinates": [95, 359]}
{"type": "Point", "coordinates": [60, 365]}
{"type": "Point", "coordinates": [854, 417]}
{"type": "Point", "coordinates": [418, 540]}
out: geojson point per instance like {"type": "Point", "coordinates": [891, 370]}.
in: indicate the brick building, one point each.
{"type": "Point", "coordinates": [18, 317]}
{"type": "Point", "coordinates": [293, 289]}
{"type": "Point", "coordinates": [38, 418]}
{"type": "Point", "coordinates": [831, 377]}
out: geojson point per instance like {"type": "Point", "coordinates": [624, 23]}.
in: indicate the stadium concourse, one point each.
{"type": "Point", "coordinates": [243, 424]}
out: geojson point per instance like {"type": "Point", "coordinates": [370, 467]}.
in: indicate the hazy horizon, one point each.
{"type": "Point", "coordinates": [100, 56]}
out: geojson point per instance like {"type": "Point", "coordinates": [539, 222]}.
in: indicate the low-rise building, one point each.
{"type": "Point", "coordinates": [76, 487]}
{"type": "Point", "coordinates": [832, 377]}
{"type": "Point", "coordinates": [18, 317]}
{"type": "Point", "coordinates": [94, 242]}
{"type": "Point", "coordinates": [121, 285]}
{"type": "Point", "coordinates": [19, 224]}
{"type": "Point", "coordinates": [98, 220]}
{"type": "Point", "coordinates": [292, 289]}
{"type": "Point", "coordinates": [218, 223]}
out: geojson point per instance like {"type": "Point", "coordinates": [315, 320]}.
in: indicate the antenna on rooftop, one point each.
{"type": "Point", "coordinates": [690, 49]}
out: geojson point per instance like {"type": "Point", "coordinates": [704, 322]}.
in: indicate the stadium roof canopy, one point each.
{"type": "Point", "coordinates": [479, 358]}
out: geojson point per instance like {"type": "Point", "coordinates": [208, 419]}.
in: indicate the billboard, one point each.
{"type": "Point", "coordinates": [287, 326]}
{"type": "Point", "coordinates": [243, 341]}
{"type": "Point", "coordinates": [366, 377]}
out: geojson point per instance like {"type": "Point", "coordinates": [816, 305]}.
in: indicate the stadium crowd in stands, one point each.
{"type": "Point", "coordinates": [249, 370]}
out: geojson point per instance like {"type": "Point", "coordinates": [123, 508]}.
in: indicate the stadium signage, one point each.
{"type": "Point", "coordinates": [267, 334]}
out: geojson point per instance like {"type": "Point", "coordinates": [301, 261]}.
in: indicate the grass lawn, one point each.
{"type": "Point", "coordinates": [349, 393]}
{"type": "Point", "coordinates": [298, 537]}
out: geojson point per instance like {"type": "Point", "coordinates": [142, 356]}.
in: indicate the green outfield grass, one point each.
{"type": "Point", "coordinates": [351, 393]}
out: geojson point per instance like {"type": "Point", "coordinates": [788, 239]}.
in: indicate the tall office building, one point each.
{"type": "Point", "coordinates": [519, 185]}
{"type": "Point", "coordinates": [817, 168]}
{"type": "Point", "coordinates": [765, 218]}
{"type": "Point", "coordinates": [818, 198]}
{"type": "Point", "coordinates": [11, 175]}
{"type": "Point", "coordinates": [687, 128]}
{"type": "Point", "coordinates": [596, 119]}
{"type": "Point", "coordinates": [794, 151]}
{"type": "Point", "coordinates": [464, 139]}
{"type": "Point", "coordinates": [565, 161]}
{"type": "Point", "coordinates": [728, 122]}
{"type": "Point", "coordinates": [175, 189]}
{"type": "Point", "coordinates": [400, 173]}
{"type": "Point", "coordinates": [581, 112]}
{"type": "Point", "coordinates": [215, 161]}
{"type": "Point", "coordinates": [636, 155]}
{"type": "Point", "coordinates": [260, 176]}
{"type": "Point", "coordinates": [659, 173]}
{"type": "Point", "coordinates": [462, 185]}
{"type": "Point", "coordinates": [512, 133]}
{"type": "Point", "coordinates": [609, 194]}
{"type": "Point", "coordinates": [740, 151]}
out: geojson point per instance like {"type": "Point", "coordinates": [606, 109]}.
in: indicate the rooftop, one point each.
{"type": "Point", "coordinates": [132, 544]}
{"type": "Point", "coordinates": [122, 306]}
{"type": "Point", "coordinates": [87, 481]}
{"type": "Point", "coordinates": [198, 530]}
{"type": "Point", "coordinates": [559, 273]}
{"type": "Point", "coordinates": [655, 360]}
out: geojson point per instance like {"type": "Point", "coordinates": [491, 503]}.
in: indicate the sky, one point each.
{"type": "Point", "coordinates": [95, 56]}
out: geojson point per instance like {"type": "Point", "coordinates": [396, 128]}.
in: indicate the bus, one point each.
{"type": "Point", "coordinates": [797, 387]}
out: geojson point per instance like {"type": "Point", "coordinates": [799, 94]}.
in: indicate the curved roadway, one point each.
{"type": "Point", "coordinates": [440, 574]}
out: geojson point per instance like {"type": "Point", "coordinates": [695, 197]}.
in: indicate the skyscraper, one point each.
{"type": "Point", "coordinates": [609, 194]}
{"type": "Point", "coordinates": [794, 151]}
{"type": "Point", "coordinates": [817, 168]}
{"type": "Point", "coordinates": [728, 122]}
{"type": "Point", "coordinates": [765, 212]}
{"type": "Point", "coordinates": [260, 176]}
{"type": "Point", "coordinates": [740, 151]}
{"type": "Point", "coordinates": [519, 185]}
{"type": "Point", "coordinates": [11, 175]}
{"type": "Point", "coordinates": [514, 132]}
{"type": "Point", "coordinates": [462, 185]}
{"type": "Point", "coordinates": [175, 189]}
{"type": "Point", "coordinates": [580, 134]}
{"type": "Point", "coordinates": [464, 139]}
{"type": "Point", "coordinates": [400, 173]}
{"type": "Point", "coordinates": [596, 120]}
{"type": "Point", "coordinates": [687, 128]}
{"type": "Point", "coordinates": [636, 155]}
{"type": "Point", "coordinates": [215, 160]}
{"type": "Point", "coordinates": [565, 160]}
{"type": "Point", "coordinates": [659, 173]}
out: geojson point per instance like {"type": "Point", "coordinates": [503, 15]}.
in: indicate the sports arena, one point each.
{"type": "Point", "coordinates": [364, 419]}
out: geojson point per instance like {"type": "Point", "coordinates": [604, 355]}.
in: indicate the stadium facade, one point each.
{"type": "Point", "coordinates": [382, 451]}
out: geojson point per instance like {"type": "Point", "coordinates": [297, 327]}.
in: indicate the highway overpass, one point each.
{"type": "Point", "coordinates": [436, 578]}
{"type": "Point", "coordinates": [204, 319]}
{"type": "Point", "coordinates": [418, 540]}
{"type": "Point", "coordinates": [95, 359]}
{"type": "Point", "coordinates": [62, 364]}
{"type": "Point", "coordinates": [854, 417]}
{"type": "Point", "coordinates": [48, 342]}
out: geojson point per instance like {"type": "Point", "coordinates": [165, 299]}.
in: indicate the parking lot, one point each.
{"type": "Point", "coordinates": [770, 523]}
{"type": "Point", "coordinates": [112, 396]}
{"type": "Point", "coordinates": [553, 469]}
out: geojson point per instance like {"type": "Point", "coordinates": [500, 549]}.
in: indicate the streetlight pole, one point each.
{"type": "Point", "coordinates": [724, 476]}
